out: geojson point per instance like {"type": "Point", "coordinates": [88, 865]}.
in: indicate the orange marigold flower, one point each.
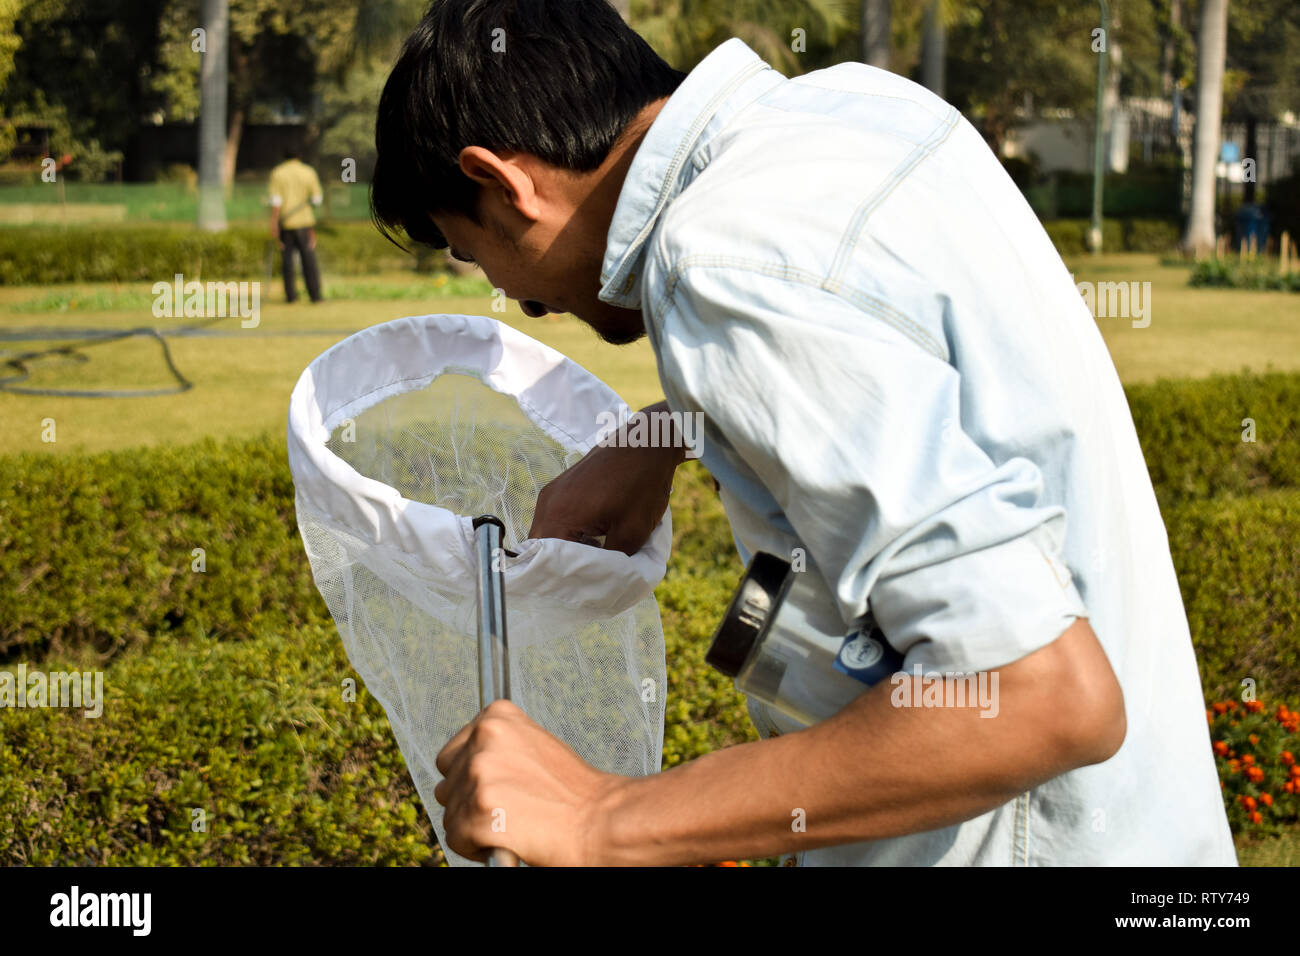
{"type": "Point", "coordinates": [1249, 803]}
{"type": "Point", "coordinates": [1221, 747]}
{"type": "Point", "coordinates": [1254, 739]}
{"type": "Point", "coordinates": [1289, 787]}
{"type": "Point", "coordinates": [1255, 774]}
{"type": "Point", "coordinates": [1232, 705]}
{"type": "Point", "coordinates": [1266, 799]}
{"type": "Point", "coordinates": [1254, 706]}
{"type": "Point", "coordinates": [1287, 757]}
{"type": "Point", "coordinates": [1256, 817]}
{"type": "Point", "coordinates": [1220, 707]}
{"type": "Point", "coordinates": [1248, 760]}
{"type": "Point", "coordinates": [1295, 770]}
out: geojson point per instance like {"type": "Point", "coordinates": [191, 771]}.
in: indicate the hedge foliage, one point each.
{"type": "Point", "coordinates": [1192, 435]}
{"type": "Point", "coordinates": [1259, 274]}
{"type": "Point", "coordinates": [41, 256]}
{"type": "Point", "coordinates": [99, 551]}
{"type": "Point", "coordinates": [256, 734]}
{"type": "Point", "coordinates": [1238, 560]}
{"type": "Point", "coordinates": [1070, 236]}
{"type": "Point", "coordinates": [154, 253]}
{"type": "Point", "coordinates": [224, 685]}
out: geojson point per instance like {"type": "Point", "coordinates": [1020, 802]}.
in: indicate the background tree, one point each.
{"type": "Point", "coordinates": [1211, 49]}
{"type": "Point", "coordinates": [9, 43]}
{"type": "Point", "coordinates": [1010, 56]}
{"type": "Point", "coordinates": [877, 34]}
{"type": "Point", "coordinates": [214, 59]}
{"type": "Point", "coordinates": [81, 67]}
{"type": "Point", "coordinates": [683, 32]}
{"type": "Point", "coordinates": [934, 47]}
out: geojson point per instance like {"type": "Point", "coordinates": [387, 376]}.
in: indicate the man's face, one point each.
{"type": "Point", "coordinates": [542, 241]}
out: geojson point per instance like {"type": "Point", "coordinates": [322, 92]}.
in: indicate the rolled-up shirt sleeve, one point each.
{"type": "Point", "coordinates": [853, 422]}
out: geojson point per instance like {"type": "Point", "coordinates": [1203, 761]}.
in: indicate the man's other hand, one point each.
{"type": "Point", "coordinates": [616, 491]}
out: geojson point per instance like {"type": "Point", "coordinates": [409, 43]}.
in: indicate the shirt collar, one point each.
{"type": "Point", "coordinates": [724, 82]}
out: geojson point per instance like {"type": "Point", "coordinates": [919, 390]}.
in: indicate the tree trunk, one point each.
{"type": "Point", "coordinates": [875, 33]}
{"type": "Point", "coordinates": [1168, 50]}
{"type": "Point", "coordinates": [213, 72]}
{"type": "Point", "coordinates": [234, 133]}
{"type": "Point", "coordinates": [934, 48]}
{"type": "Point", "coordinates": [1117, 121]}
{"type": "Point", "coordinates": [1211, 50]}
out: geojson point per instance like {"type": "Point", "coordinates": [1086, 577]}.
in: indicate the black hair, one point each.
{"type": "Point", "coordinates": [292, 152]}
{"type": "Point", "coordinates": [571, 77]}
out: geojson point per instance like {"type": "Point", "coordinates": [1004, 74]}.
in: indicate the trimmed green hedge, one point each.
{"type": "Point", "coordinates": [704, 711]}
{"type": "Point", "coordinates": [1238, 562]}
{"type": "Point", "coordinates": [41, 256]}
{"type": "Point", "coordinates": [1070, 236]}
{"type": "Point", "coordinates": [1259, 274]}
{"type": "Point", "coordinates": [255, 734]}
{"type": "Point", "coordinates": [1191, 434]}
{"type": "Point", "coordinates": [224, 687]}
{"type": "Point", "coordinates": [129, 253]}
{"type": "Point", "coordinates": [98, 550]}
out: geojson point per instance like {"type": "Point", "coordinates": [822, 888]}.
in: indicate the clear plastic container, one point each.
{"type": "Point", "coordinates": [784, 642]}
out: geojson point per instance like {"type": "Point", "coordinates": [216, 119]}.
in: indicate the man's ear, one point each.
{"type": "Point", "coordinates": [501, 176]}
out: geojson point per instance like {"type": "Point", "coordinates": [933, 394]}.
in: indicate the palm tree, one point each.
{"type": "Point", "coordinates": [875, 33]}
{"type": "Point", "coordinates": [1211, 51]}
{"type": "Point", "coordinates": [212, 117]}
{"type": "Point", "coordinates": [934, 47]}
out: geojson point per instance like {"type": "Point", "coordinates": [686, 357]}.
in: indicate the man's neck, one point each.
{"type": "Point", "coordinates": [601, 199]}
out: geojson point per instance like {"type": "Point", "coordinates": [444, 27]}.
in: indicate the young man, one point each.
{"type": "Point", "coordinates": [294, 189]}
{"type": "Point", "coordinates": [896, 374]}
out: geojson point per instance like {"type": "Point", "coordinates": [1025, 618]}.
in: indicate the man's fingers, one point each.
{"type": "Point", "coordinates": [544, 527]}
{"type": "Point", "coordinates": [447, 755]}
{"type": "Point", "coordinates": [627, 540]}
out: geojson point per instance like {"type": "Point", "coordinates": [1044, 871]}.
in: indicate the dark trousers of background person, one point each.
{"type": "Point", "coordinates": [299, 240]}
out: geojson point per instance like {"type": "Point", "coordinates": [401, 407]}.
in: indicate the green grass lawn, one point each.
{"type": "Point", "coordinates": [1279, 851]}
{"type": "Point", "coordinates": [1193, 332]}
{"type": "Point", "coordinates": [242, 380]}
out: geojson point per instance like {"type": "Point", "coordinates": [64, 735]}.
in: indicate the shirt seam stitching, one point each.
{"type": "Point", "coordinates": [936, 138]}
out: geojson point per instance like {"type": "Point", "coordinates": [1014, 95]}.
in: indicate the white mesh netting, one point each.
{"type": "Point", "coordinates": [398, 437]}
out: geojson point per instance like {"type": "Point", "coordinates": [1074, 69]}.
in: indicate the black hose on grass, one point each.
{"type": "Point", "coordinates": [86, 338]}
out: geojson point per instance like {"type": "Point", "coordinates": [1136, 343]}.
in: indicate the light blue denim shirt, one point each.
{"type": "Point", "coordinates": [898, 375]}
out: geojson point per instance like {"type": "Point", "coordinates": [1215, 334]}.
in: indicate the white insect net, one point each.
{"type": "Point", "coordinates": [398, 437]}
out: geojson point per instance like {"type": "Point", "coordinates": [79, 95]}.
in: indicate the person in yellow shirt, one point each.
{"type": "Point", "coordinates": [295, 188]}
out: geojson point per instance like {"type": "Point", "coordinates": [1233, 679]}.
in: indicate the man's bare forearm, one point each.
{"type": "Point", "coordinates": [873, 771]}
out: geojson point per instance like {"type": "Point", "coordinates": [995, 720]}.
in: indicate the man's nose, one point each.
{"type": "Point", "coordinates": [533, 308]}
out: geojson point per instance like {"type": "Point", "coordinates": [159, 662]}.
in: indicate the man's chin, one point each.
{"type": "Point", "coordinates": [621, 336]}
{"type": "Point", "coordinates": [618, 329]}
